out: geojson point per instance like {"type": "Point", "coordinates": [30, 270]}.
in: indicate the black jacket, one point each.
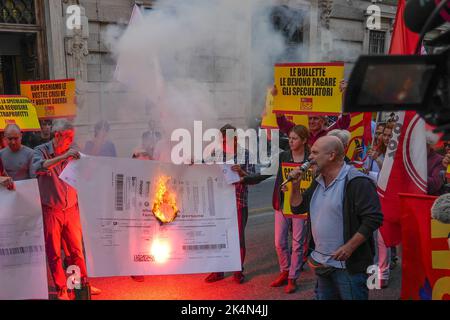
{"type": "Point", "coordinates": [362, 213]}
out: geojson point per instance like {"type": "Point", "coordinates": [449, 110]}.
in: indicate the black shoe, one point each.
{"type": "Point", "coordinates": [215, 276]}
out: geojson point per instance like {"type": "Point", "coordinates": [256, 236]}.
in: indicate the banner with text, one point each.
{"type": "Point", "coordinates": [52, 98]}
{"type": "Point", "coordinates": [20, 111]}
{"type": "Point", "coordinates": [308, 88]}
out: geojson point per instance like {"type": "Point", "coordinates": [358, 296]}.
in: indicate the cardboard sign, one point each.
{"type": "Point", "coordinates": [308, 88]}
{"type": "Point", "coordinates": [52, 98]}
{"type": "Point", "coordinates": [20, 111]}
{"type": "Point", "coordinates": [286, 168]}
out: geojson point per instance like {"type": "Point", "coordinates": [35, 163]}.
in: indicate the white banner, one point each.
{"type": "Point", "coordinates": [122, 236]}
{"type": "Point", "coordinates": [23, 272]}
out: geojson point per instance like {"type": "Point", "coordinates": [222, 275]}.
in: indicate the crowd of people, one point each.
{"type": "Point", "coordinates": [339, 239]}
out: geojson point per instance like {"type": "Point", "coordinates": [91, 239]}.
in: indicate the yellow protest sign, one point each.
{"type": "Point", "coordinates": [269, 119]}
{"type": "Point", "coordinates": [308, 88]}
{"type": "Point", "coordinates": [447, 175]}
{"type": "Point", "coordinates": [52, 98]}
{"type": "Point", "coordinates": [20, 111]}
{"type": "Point", "coordinates": [286, 168]}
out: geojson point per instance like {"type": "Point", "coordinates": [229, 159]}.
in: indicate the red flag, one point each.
{"type": "Point", "coordinates": [404, 170]}
{"type": "Point", "coordinates": [425, 253]}
{"type": "Point", "coordinates": [405, 165]}
{"type": "Point", "coordinates": [403, 40]}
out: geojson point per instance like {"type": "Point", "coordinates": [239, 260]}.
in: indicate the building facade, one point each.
{"type": "Point", "coordinates": [35, 43]}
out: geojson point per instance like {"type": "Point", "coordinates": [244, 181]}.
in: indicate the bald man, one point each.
{"type": "Point", "coordinates": [16, 158]}
{"type": "Point", "coordinates": [344, 211]}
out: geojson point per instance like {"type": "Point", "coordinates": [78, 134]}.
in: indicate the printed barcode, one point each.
{"type": "Point", "coordinates": [119, 192]}
{"type": "Point", "coordinates": [205, 246]}
{"type": "Point", "coordinates": [20, 250]}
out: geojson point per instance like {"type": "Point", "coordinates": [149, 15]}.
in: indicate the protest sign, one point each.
{"type": "Point", "coordinates": [308, 88]}
{"type": "Point", "coordinates": [306, 181]}
{"type": "Point", "coordinates": [52, 98]}
{"type": "Point", "coordinates": [18, 110]}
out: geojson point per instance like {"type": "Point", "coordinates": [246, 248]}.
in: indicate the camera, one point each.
{"type": "Point", "coordinates": [408, 82]}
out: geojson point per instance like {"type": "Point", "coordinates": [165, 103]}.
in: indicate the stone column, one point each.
{"type": "Point", "coordinates": [76, 45]}
{"type": "Point", "coordinates": [55, 27]}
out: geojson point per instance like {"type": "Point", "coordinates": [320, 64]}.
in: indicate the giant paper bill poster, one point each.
{"type": "Point", "coordinates": [20, 111]}
{"type": "Point", "coordinates": [52, 98]}
{"type": "Point", "coordinates": [306, 181]}
{"type": "Point", "coordinates": [122, 236]}
{"type": "Point", "coordinates": [308, 88]}
{"type": "Point", "coordinates": [23, 271]}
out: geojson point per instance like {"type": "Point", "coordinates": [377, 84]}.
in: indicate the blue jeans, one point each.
{"type": "Point", "coordinates": [341, 285]}
{"type": "Point", "coordinates": [289, 259]}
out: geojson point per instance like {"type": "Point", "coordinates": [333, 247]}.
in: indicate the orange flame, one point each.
{"type": "Point", "coordinates": [164, 207]}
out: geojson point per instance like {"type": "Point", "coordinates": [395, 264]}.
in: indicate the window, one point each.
{"type": "Point", "coordinates": [17, 12]}
{"type": "Point", "coordinates": [377, 41]}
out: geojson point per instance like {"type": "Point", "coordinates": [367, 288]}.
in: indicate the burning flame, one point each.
{"type": "Point", "coordinates": [164, 207]}
{"type": "Point", "coordinates": [160, 250]}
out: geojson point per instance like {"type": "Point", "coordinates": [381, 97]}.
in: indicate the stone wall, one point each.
{"type": "Point", "coordinates": [335, 31]}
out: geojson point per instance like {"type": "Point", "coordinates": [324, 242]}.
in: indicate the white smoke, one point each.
{"type": "Point", "coordinates": [199, 59]}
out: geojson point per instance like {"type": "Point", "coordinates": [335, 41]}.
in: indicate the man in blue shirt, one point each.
{"type": "Point", "coordinates": [344, 212]}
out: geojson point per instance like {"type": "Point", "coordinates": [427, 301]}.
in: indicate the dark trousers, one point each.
{"type": "Point", "coordinates": [242, 217]}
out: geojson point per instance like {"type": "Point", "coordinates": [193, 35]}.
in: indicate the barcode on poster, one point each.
{"type": "Point", "coordinates": [119, 192]}
{"type": "Point", "coordinates": [204, 246]}
{"type": "Point", "coordinates": [20, 250]}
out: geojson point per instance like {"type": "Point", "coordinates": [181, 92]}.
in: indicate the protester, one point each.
{"type": "Point", "coordinates": [344, 136]}
{"type": "Point", "coordinates": [17, 159]}
{"type": "Point", "coordinates": [59, 204]}
{"type": "Point", "coordinates": [150, 139]}
{"type": "Point", "coordinates": [317, 124]}
{"type": "Point", "coordinates": [230, 149]}
{"type": "Point", "coordinates": [33, 139]}
{"type": "Point", "coordinates": [375, 156]}
{"type": "Point", "coordinates": [290, 260]}
{"type": "Point", "coordinates": [435, 167]}
{"type": "Point", "coordinates": [145, 149]}
{"type": "Point", "coordinates": [378, 131]}
{"type": "Point", "coordinates": [100, 145]}
{"type": "Point", "coordinates": [342, 219]}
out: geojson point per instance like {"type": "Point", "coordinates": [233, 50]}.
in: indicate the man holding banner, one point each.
{"type": "Point", "coordinates": [59, 204]}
